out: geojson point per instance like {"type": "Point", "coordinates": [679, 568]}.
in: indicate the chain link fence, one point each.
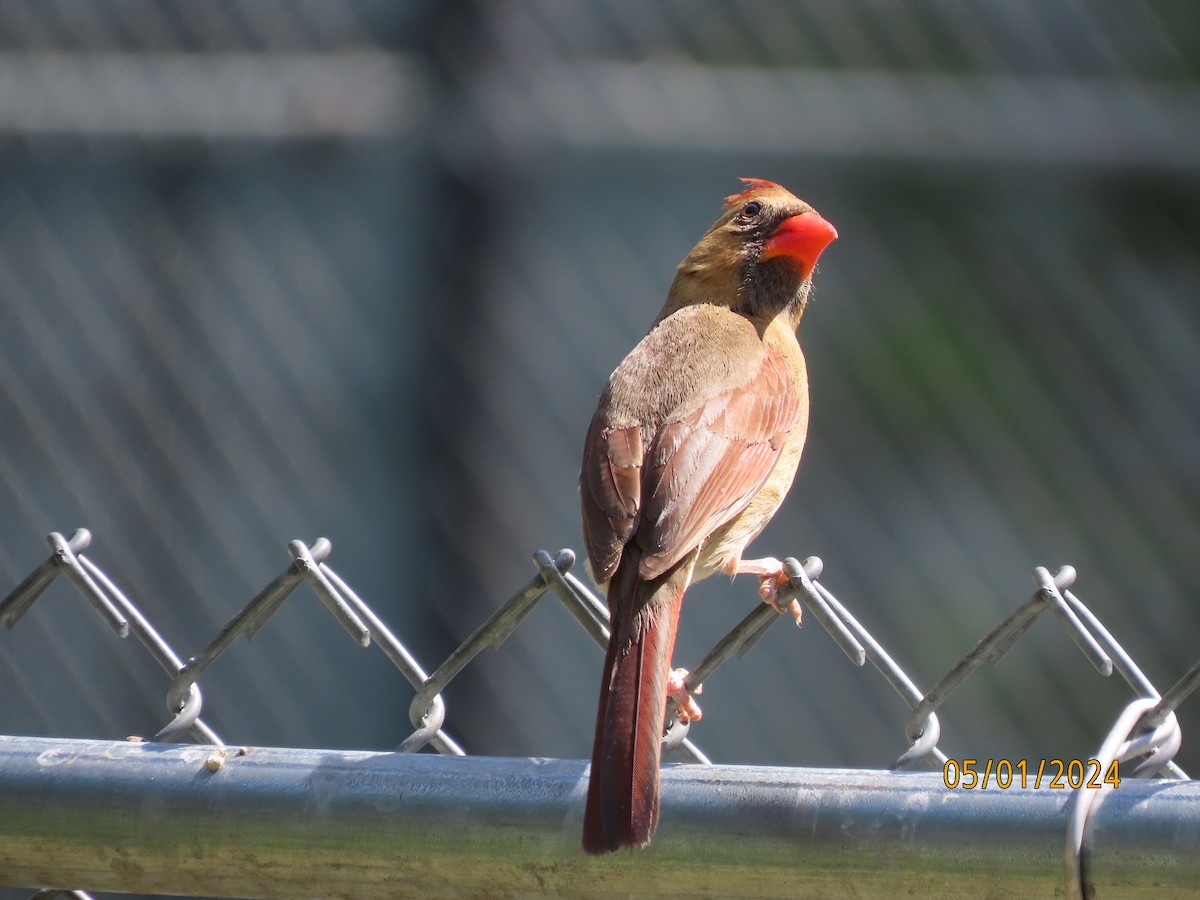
{"type": "Point", "coordinates": [1145, 736]}
{"type": "Point", "coordinates": [360, 268]}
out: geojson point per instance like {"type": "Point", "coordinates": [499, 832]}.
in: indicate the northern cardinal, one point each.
{"type": "Point", "coordinates": [694, 443]}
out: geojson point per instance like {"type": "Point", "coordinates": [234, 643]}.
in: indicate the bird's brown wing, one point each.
{"type": "Point", "coordinates": [700, 470]}
{"type": "Point", "coordinates": [610, 492]}
{"type": "Point", "coordinates": [704, 469]}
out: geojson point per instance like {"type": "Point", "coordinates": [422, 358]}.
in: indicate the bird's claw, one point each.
{"type": "Point", "coordinates": [771, 580]}
{"type": "Point", "coordinates": [769, 587]}
{"type": "Point", "coordinates": [686, 708]}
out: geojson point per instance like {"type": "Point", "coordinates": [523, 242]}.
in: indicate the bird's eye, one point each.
{"type": "Point", "coordinates": [751, 209]}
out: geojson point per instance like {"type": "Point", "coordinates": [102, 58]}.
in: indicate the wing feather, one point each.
{"type": "Point", "coordinates": [610, 492]}
{"type": "Point", "coordinates": [668, 486]}
{"type": "Point", "coordinates": [705, 468]}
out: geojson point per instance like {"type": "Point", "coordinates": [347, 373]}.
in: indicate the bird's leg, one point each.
{"type": "Point", "coordinates": [771, 578]}
{"type": "Point", "coordinates": [686, 708]}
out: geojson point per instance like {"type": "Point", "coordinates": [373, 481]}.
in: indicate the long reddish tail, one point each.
{"type": "Point", "coordinates": [622, 801]}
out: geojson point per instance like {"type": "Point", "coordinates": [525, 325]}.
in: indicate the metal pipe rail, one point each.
{"type": "Point", "coordinates": [265, 822]}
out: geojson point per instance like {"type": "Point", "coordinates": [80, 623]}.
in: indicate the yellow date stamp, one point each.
{"type": "Point", "coordinates": [1051, 774]}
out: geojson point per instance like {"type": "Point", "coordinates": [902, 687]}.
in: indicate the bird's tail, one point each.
{"type": "Point", "coordinates": [622, 801]}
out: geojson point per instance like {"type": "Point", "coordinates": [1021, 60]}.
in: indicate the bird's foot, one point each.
{"type": "Point", "coordinates": [771, 580]}
{"type": "Point", "coordinates": [686, 708]}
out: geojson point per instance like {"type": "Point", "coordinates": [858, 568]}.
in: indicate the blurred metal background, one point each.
{"type": "Point", "coordinates": [275, 270]}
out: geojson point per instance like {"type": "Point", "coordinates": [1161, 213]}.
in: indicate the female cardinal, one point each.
{"type": "Point", "coordinates": [694, 443]}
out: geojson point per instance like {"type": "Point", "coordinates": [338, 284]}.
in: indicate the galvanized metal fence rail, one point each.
{"type": "Point", "coordinates": [153, 816]}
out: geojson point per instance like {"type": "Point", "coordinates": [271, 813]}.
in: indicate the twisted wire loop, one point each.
{"type": "Point", "coordinates": [63, 557]}
{"type": "Point", "coordinates": [921, 728]}
{"type": "Point", "coordinates": [305, 567]}
{"type": "Point", "coordinates": [357, 619]}
{"type": "Point", "coordinates": [427, 707]}
{"type": "Point", "coordinates": [117, 611]}
{"type": "Point", "coordinates": [1146, 728]}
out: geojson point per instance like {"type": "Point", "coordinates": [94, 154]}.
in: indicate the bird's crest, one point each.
{"type": "Point", "coordinates": [752, 184]}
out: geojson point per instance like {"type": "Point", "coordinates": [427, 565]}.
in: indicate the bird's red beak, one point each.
{"type": "Point", "coordinates": [801, 237]}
